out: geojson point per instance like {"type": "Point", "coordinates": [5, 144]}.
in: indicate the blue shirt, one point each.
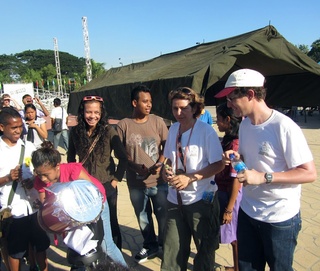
{"type": "Point", "coordinates": [206, 117]}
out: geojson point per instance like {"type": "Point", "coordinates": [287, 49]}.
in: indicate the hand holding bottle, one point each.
{"type": "Point", "coordinates": [244, 175]}
{"type": "Point", "coordinates": [238, 165]}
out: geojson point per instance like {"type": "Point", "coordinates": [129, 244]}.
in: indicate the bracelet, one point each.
{"type": "Point", "coordinates": [226, 211]}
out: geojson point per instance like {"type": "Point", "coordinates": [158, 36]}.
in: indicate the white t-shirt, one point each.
{"type": "Point", "coordinates": [276, 145]}
{"type": "Point", "coordinates": [204, 148]}
{"type": "Point", "coordinates": [9, 159]}
{"type": "Point", "coordinates": [37, 139]}
{"type": "Point", "coordinates": [56, 113]}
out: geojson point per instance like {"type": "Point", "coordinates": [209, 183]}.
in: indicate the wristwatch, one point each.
{"type": "Point", "coordinates": [268, 177]}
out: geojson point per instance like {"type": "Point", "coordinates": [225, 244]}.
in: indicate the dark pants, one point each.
{"type": "Point", "coordinates": [199, 221]}
{"type": "Point", "coordinates": [115, 228]}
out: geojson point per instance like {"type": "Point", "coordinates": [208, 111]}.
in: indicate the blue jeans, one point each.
{"type": "Point", "coordinates": [108, 246]}
{"type": "Point", "coordinates": [141, 201]}
{"type": "Point", "coordinates": [65, 137]}
{"type": "Point", "coordinates": [273, 243]}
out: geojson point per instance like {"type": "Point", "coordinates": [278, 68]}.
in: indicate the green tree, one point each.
{"type": "Point", "coordinates": [9, 68]}
{"type": "Point", "coordinates": [303, 48]}
{"type": "Point", "coordinates": [48, 72]}
{"type": "Point", "coordinates": [5, 77]}
{"type": "Point", "coordinates": [97, 69]}
{"type": "Point", "coordinates": [31, 76]}
{"type": "Point", "coordinates": [39, 65]}
{"type": "Point", "coordinates": [314, 53]}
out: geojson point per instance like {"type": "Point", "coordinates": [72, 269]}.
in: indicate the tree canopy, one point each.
{"type": "Point", "coordinates": [39, 66]}
{"type": "Point", "coordinates": [314, 52]}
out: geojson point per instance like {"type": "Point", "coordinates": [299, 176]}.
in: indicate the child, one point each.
{"type": "Point", "coordinates": [35, 126]}
{"type": "Point", "coordinates": [49, 170]}
{"type": "Point", "coordinates": [229, 188]}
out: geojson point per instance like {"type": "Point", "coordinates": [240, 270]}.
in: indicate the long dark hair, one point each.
{"type": "Point", "coordinates": [82, 140]}
{"type": "Point", "coordinates": [32, 107]}
{"type": "Point", "coordinates": [224, 111]}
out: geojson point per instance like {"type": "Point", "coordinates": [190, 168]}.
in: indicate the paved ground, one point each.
{"type": "Point", "coordinates": [307, 254]}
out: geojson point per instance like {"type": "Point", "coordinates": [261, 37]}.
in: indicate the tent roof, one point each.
{"type": "Point", "coordinates": [205, 68]}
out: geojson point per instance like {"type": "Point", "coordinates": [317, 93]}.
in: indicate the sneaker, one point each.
{"type": "Point", "coordinates": [146, 254]}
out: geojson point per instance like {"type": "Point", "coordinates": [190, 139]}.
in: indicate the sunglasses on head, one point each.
{"type": "Point", "coordinates": [93, 98]}
{"type": "Point", "coordinates": [181, 90]}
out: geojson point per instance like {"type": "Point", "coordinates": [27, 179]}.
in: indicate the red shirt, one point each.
{"type": "Point", "coordinates": [224, 179]}
{"type": "Point", "coordinates": [68, 173]}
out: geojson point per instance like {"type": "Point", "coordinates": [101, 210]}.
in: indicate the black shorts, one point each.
{"type": "Point", "coordinates": [24, 231]}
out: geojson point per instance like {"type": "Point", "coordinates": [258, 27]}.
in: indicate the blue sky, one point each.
{"type": "Point", "coordinates": [137, 30]}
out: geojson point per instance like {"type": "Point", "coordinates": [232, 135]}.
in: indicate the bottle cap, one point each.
{"type": "Point", "coordinates": [232, 156]}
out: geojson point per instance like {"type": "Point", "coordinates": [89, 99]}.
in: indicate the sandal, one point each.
{"type": "Point", "coordinates": [223, 268]}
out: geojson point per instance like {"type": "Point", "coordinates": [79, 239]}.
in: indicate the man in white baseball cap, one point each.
{"type": "Point", "coordinates": [279, 161]}
{"type": "Point", "coordinates": [242, 78]}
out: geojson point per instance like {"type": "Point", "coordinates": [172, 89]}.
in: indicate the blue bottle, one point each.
{"type": "Point", "coordinates": [238, 165]}
{"type": "Point", "coordinates": [208, 195]}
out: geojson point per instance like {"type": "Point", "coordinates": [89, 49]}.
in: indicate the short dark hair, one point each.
{"type": "Point", "coordinates": [260, 92]}
{"type": "Point", "coordinates": [25, 96]}
{"type": "Point", "coordinates": [7, 113]}
{"type": "Point", "coordinates": [135, 92]}
{"type": "Point", "coordinates": [57, 101]}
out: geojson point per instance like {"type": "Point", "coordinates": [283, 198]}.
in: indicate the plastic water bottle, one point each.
{"type": "Point", "coordinates": [208, 195]}
{"type": "Point", "coordinates": [237, 164]}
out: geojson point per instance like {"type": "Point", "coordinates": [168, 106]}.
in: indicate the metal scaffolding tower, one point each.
{"type": "Point", "coordinates": [87, 48]}
{"type": "Point", "coordinates": [56, 56]}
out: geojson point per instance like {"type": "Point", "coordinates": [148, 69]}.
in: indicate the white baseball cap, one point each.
{"type": "Point", "coordinates": [241, 78]}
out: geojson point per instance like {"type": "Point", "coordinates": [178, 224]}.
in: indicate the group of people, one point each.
{"type": "Point", "coordinates": [182, 175]}
{"type": "Point", "coordinates": [34, 124]}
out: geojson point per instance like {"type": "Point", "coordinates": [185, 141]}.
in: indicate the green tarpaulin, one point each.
{"type": "Point", "coordinates": [292, 78]}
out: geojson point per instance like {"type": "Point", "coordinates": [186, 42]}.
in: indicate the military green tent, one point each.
{"type": "Point", "coordinates": [292, 78]}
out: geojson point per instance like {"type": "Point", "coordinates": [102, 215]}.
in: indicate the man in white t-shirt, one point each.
{"type": "Point", "coordinates": [58, 112]}
{"type": "Point", "coordinates": [277, 154]}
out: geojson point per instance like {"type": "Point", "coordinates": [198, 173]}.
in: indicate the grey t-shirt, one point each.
{"type": "Point", "coordinates": [143, 143]}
